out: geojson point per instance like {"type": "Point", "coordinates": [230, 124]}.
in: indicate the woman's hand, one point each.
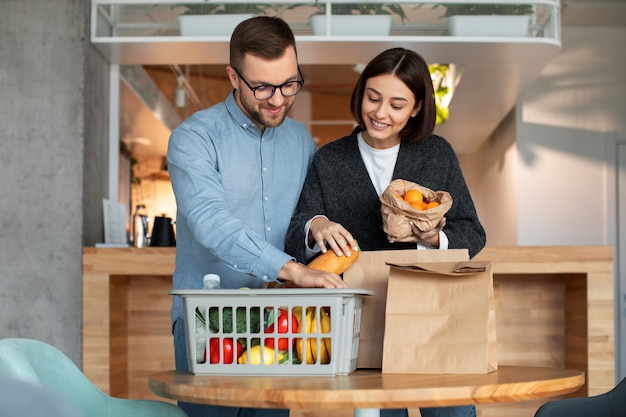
{"type": "Point", "coordinates": [430, 238]}
{"type": "Point", "coordinates": [325, 231]}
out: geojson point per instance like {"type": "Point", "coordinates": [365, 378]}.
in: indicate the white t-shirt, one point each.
{"type": "Point", "coordinates": [379, 163]}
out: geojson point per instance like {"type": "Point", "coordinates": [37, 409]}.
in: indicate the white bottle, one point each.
{"type": "Point", "coordinates": [140, 227]}
{"type": "Point", "coordinates": [211, 282]}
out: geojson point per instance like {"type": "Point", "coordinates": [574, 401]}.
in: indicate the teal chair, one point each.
{"type": "Point", "coordinates": [609, 404]}
{"type": "Point", "coordinates": [43, 365]}
{"type": "Point", "coordinates": [16, 400]}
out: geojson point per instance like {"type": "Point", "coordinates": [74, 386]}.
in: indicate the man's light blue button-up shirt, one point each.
{"type": "Point", "coordinates": [236, 190]}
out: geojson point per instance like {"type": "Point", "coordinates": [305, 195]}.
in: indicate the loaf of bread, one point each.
{"type": "Point", "coordinates": [330, 262]}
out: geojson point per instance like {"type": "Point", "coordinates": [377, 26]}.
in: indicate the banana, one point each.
{"type": "Point", "coordinates": [310, 351]}
{"type": "Point", "coordinates": [297, 311]}
{"type": "Point", "coordinates": [304, 325]}
{"type": "Point", "coordinates": [324, 358]}
{"type": "Point", "coordinates": [325, 325]}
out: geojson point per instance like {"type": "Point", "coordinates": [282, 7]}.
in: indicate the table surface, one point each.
{"type": "Point", "coordinates": [368, 388]}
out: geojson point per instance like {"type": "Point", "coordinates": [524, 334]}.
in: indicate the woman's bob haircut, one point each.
{"type": "Point", "coordinates": [411, 68]}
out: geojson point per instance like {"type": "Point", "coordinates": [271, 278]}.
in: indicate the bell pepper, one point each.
{"type": "Point", "coordinates": [227, 349]}
{"type": "Point", "coordinates": [282, 324]}
{"type": "Point", "coordinates": [256, 357]}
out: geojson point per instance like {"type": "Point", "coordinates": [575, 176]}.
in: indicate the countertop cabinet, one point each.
{"type": "Point", "coordinates": [554, 307]}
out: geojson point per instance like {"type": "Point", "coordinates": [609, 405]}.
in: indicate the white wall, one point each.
{"type": "Point", "coordinates": [531, 183]}
{"type": "Point", "coordinates": [566, 138]}
{"type": "Point", "coordinates": [491, 178]}
{"type": "Point", "coordinates": [564, 178]}
{"type": "Point", "coordinates": [566, 132]}
{"type": "Point", "coordinates": [584, 87]}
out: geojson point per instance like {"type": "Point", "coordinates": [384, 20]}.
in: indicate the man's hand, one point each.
{"type": "Point", "coordinates": [304, 277]}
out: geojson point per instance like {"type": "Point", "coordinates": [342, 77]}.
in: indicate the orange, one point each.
{"type": "Point", "coordinates": [419, 206]}
{"type": "Point", "coordinates": [431, 204]}
{"type": "Point", "coordinates": [413, 197]}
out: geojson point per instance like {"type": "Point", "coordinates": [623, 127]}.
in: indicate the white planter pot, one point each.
{"type": "Point", "coordinates": [352, 25]}
{"type": "Point", "coordinates": [493, 26]}
{"type": "Point", "coordinates": [210, 25]}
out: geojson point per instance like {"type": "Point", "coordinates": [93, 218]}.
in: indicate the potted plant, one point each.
{"type": "Point", "coordinates": [504, 20]}
{"type": "Point", "coordinates": [214, 18]}
{"type": "Point", "coordinates": [356, 19]}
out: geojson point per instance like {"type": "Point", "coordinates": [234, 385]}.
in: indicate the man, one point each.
{"type": "Point", "coordinates": [237, 169]}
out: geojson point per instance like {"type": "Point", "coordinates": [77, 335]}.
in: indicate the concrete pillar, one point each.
{"type": "Point", "coordinates": [53, 166]}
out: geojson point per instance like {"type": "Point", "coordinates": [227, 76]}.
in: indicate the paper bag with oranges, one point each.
{"type": "Point", "coordinates": [405, 201]}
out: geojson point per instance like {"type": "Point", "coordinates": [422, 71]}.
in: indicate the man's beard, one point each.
{"type": "Point", "coordinates": [262, 118]}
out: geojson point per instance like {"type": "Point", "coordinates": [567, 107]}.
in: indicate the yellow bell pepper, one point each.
{"type": "Point", "coordinates": [254, 353]}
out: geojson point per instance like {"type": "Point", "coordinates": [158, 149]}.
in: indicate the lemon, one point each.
{"type": "Point", "coordinates": [255, 356]}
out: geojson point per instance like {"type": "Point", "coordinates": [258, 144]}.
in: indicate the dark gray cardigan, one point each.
{"type": "Point", "coordinates": [338, 186]}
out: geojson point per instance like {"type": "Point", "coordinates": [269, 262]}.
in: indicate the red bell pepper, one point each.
{"type": "Point", "coordinates": [283, 327]}
{"type": "Point", "coordinates": [227, 348]}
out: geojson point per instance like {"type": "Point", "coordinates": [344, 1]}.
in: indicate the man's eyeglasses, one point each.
{"type": "Point", "coordinates": [266, 91]}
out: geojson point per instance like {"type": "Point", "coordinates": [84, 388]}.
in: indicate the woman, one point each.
{"type": "Point", "coordinates": [393, 103]}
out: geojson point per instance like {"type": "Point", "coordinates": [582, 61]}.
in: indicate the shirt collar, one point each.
{"type": "Point", "coordinates": [237, 114]}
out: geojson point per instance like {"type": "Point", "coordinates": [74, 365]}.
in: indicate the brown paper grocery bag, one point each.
{"type": "Point", "coordinates": [371, 272]}
{"type": "Point", "coordinates": [397, 213]}
{"type": "Point", "coordinates": [440, 319]}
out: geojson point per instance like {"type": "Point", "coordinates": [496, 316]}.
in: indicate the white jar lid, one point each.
{"type": "Point", "coordinates": [211, 281]}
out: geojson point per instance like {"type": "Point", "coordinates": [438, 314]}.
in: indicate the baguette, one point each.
{"type": "Point", "coordinates": [330, 262]}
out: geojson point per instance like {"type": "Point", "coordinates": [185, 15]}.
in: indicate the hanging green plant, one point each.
{"type": "Point", "coordinates": [134, 179]}
{"type": "Point", "coordinates": [438, 73]}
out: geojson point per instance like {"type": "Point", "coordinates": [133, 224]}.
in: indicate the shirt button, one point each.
{"type": "Point", "coordinates": [266, 198]}
{"type": "Point", "coordinates": [268, 228]}
{"type": "Point", "coordinates": [265, 277]}
{"type": "Point", "coordinates": [234, 265]}
{"type": "Point", "coordinates": [264, 169]}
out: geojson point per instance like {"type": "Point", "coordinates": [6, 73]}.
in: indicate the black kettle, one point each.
{"type": "Point", "coordinates": [163, 232]}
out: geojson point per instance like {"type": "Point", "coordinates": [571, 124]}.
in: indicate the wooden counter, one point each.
{"type": "Point", "coordinates": [554, 307]}
{"type": "Point", "coordinates": [126, 321]}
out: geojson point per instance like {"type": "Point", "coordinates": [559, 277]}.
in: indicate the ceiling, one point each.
{"type": "Point", "coordinates": [493, 74]}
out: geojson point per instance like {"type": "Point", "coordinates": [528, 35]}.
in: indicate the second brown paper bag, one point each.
{"type": "Point", "coordinates": [371, 272]}
{"type": "Point", "coordinates": [440, 319]}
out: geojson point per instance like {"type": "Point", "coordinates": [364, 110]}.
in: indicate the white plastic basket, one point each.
{"type": "Point", "coordinates": [245, 315]}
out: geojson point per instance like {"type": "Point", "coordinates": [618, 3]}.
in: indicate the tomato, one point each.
{"type": "Point", "coordinates": [227, 345]}
{"type": "Point", "coordinates": [282, 323]}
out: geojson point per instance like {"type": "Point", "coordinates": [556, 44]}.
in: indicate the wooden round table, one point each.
{"type": "Point", "coordinates": [367, 391]}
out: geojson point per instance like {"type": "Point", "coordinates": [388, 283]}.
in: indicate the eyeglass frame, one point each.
{"type": "Point", "coordinates": [274, 87]}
